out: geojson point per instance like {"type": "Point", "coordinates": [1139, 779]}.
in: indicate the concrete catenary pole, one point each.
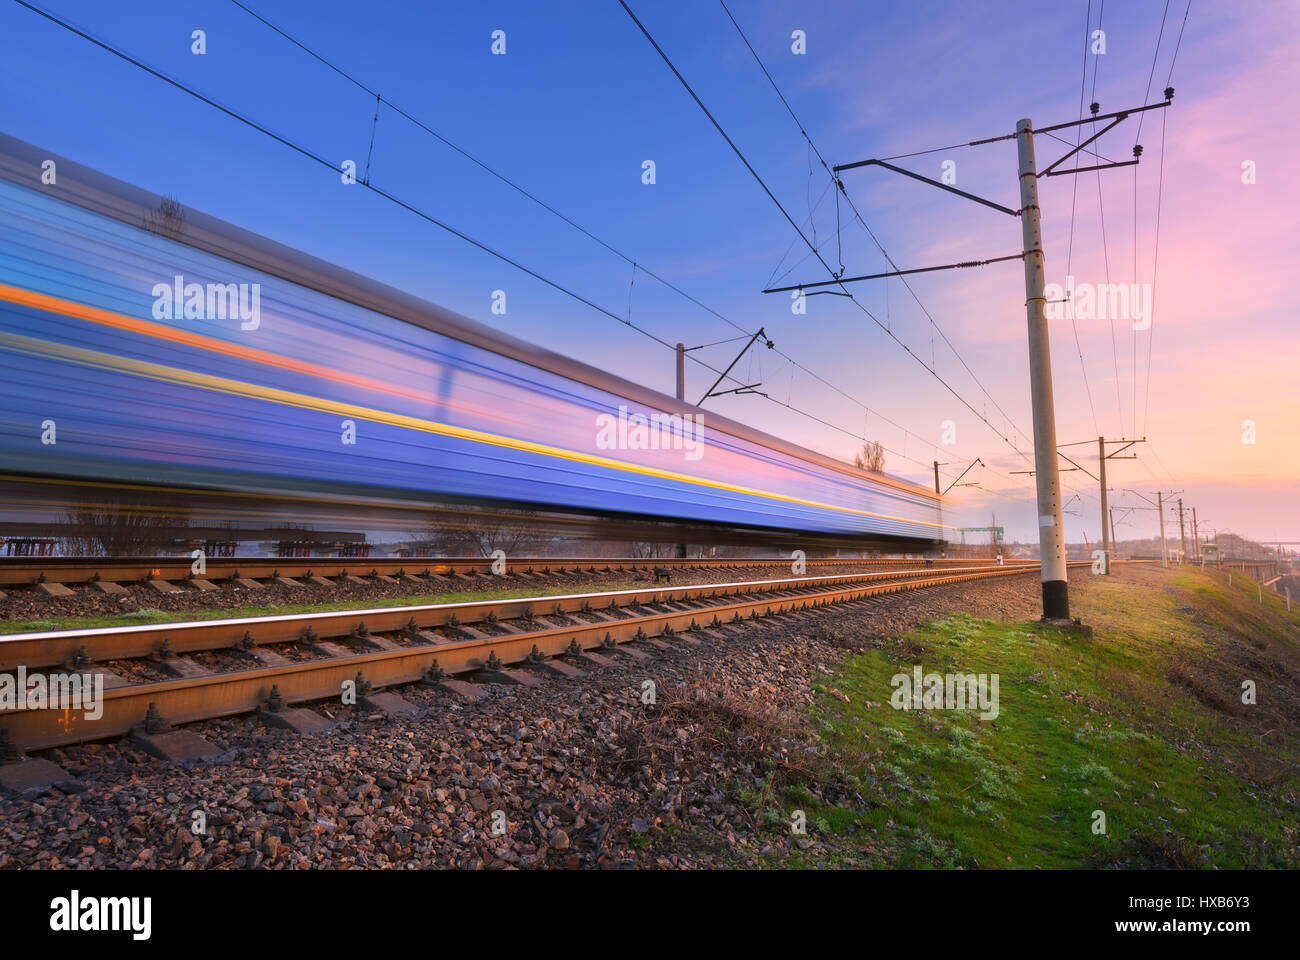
{"type": "Point", "coordinates": [1160, 506]}
{"type": "Point", "coordinates": [1051, 534]}
{"type": "Point", "coordinates": [681, 395]}
{"type": "Point", "coordinates": [1105, 512]}
{"type": "Point", "coordinates": [1196, 534]}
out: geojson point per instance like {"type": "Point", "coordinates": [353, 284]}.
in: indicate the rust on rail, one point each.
{"type": "Point", "coordinates": [242, 691]}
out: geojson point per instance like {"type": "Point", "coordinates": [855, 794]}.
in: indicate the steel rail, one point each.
{"type": "Point", "coordinates": [50, 648]}
{"type": "Point", "coordinates": [237, 692]}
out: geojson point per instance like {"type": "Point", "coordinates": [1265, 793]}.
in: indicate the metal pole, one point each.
{"type": "Point", "coordinates": [681, 395]}
{"type": "Point", "coordinates": [1051, 535]}
{"type": "Point", "coordinates": [1196, 534]}
{"type": "Point", "coordinates": [1182, 532]}
{"type": "Point", "coordinates": [1105, 531]}
{"type": "Point", "coordinates": [1164, 550]}
{"type": "Point", "coordinates": [1114, 542]}
{"type": "Point", "coordinates": [939, 493]}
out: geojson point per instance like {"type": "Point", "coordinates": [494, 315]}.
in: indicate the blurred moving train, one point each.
{"type": "Point", "coordinates": [146, 345]}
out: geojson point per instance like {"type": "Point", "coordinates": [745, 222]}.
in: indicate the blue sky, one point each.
{"type": "Point", "coordinates": [580, 100]}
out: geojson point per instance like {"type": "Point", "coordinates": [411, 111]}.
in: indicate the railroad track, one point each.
{"type": "Point", "coordinates": [183, 672]}
{"type": "Point", "coordinates": [165, 572]}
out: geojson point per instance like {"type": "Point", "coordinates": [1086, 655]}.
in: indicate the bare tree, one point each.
{"type": "Point", "coordinates": [645, 550]}
{"type": "Point", "coordinates": [479, 531]}
{"type": "Point", "coordinates": [122, 527]}
{"type": "Point", "coordinates": [168, 219]}
{"type": "Point", "coordinates": [872, 457]}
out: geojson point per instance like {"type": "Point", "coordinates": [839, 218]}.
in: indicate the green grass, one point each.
{"type": "Point", "coordinates": [1144, 722]}
{"type": "Point", "coordinates": [150, 615]}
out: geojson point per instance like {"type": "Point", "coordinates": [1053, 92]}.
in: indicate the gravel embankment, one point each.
{"type": "Point", "coordinates": [584, 773]}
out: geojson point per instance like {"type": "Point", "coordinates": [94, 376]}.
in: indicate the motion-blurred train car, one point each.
{"type": "Point", "coordinates": [141, 345]}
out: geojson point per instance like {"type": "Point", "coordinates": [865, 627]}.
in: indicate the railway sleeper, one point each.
{"type": "Point", "coordinates": [155, 734]}
{"type": "Point", "coordinates": [436, 679]}
{"type": "Point", "coordinates": [182, 667]}
{"type": "Point", "coordinates": [590, 658]}
{"type": "Point", "coordinates": [32, 775]}
{"type": "Point", "coordinates": [277, 714]}
{"type": "Point", "coordinates": [390, 705]}
{"type": "Point", "coordinates": [538, 662]}
{"type": "Point", "coordinates": [156, 737]}
{"type": "Point", "coordinates": [494, 671]}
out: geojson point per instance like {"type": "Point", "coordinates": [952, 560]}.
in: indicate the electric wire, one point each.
{"type": "Point", "coordinates": [857, 215]}
{"type": "Point", "coordinates": [1074, 195]}
{"type": "Point", "coordinates": [1160, 189]}
{"type": "Point", "coordinates": [635, 264]}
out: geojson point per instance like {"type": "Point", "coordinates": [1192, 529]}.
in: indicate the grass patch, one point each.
{"type": "Point", "coordinates": [1144, 723]}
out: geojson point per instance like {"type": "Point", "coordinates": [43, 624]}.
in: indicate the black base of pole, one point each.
{"type": "Point", "coordinates": [1056, 600]}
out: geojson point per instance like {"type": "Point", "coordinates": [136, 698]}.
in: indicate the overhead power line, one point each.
{"type": "Point", "coordinates": [1074, 196]}
{"type": "Point", "coordinates": [717, 126]}
{"type": "Point", "coordinates": [870, 233]}
{"type": "Point", "coordinates": [1137, 137]}
{"type": "Point", "coordinates": [1080, 146]}
{"type": "Point", "coordinates": [1160, 190]}
{"type": "Point", "coordinates": [303, 151]}
{"type": "Point", "coordinates": [316, 157]}
{"type": "Point", "coordinates": [635, 264]}
{"type": "Point", "coordinates": [933, 372]}
{"type": "Point", "coordinates": [858, 216]}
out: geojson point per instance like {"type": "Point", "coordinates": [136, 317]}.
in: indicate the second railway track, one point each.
{"type": "Point", "coordinates": [185, 672]}
{"type": "Point", "coordinates": [164, 571]}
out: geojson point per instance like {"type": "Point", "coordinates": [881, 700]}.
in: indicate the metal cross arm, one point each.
{"type": "Point", "coordinates": [1047, 171]}
{"type": "Point", "coordinates": [933, 183]}
{"type": "Point", "coordinates": [1169, 96]}
{"type": "Point", "coordinates": [1116, 119]}
{"type": "Point", "coordinates": [722, 376]}
{"type": "Point", "coordinates": [1074, 465]}
{"type": "Point", "coordinates": [978, 461]}
{"type": "Point", "coordinates": [1127, 444]}
{"type": "Point", "coordinates": [1099, 166]}
{"type": "Point", "coordinates": [749, 388]}
{"type": "Point", "coordinates": [895, 273]}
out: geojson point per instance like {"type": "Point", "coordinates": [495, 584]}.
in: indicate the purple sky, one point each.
{"type": "Point", "coordinates": [580, 100]}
